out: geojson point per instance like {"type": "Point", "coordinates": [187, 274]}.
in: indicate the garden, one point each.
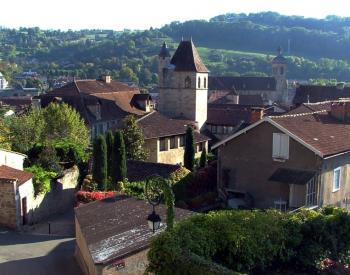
{"type": "Point", "coordinates": [255, 242]}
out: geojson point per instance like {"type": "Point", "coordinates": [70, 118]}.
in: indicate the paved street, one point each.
{"type": "Point", "coordinates": [36, 255]}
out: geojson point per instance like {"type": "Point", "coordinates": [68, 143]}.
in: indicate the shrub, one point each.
{"type": "Point", "coordinates": [257, 242]}
{"type": "Point", "coordinates": [189, 149]}
{"type": "Point", "coordinates": [100, 162]}
{"type": "Point", "coordinates": [41, 179]}
{"type": "Point", "coordinates": [86, 197]}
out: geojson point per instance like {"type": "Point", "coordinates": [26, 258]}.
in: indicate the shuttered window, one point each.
{"type": "Point", "coordinates": [280, 146]}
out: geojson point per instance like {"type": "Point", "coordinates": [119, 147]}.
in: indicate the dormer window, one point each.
{"type": "Point", "coordinates": [188, 82]}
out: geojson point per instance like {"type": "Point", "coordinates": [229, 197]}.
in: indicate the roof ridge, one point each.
{"type": "Point", "coordinates": [344, 99]}
{"type": "Point", "coordinates": [147, 115]}
{"type": "Point", "coordinates": [299, 114]}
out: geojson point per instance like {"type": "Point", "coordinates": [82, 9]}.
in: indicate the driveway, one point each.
{"type": "Point", "coordinates": [36, 255]}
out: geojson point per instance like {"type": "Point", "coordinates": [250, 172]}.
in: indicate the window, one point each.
{"type": "Point", "coordinates": [205, 82]}
{"type": "Point", "coordinates": [188, 82]}
{"type": "Point", "coordinates": [182, 141]}
{"type": "Point", "coordinates": [280, 146]}
{"type": "Point", "coordinates": [281, 70]}
{"type": "Point", "coordinates": [336, 179]}
{"type": "Point", "coordinates": [162, 144]}
{"type": "Point", "coordinates": [173, 143]}
{"type": "Point", "coordinates": [199, 82]}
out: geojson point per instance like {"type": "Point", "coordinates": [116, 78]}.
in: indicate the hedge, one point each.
{"type": "Point", "coordinates": [255, 241]}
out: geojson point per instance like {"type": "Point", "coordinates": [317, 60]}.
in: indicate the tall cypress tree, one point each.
{"type": "Point", "coordinates": [204, 158]}
{"type": "Point", "coordinates": [119, 157]}
{"type": "Point", "coordinates": [189, 149]}
{"type": "Point", "coordinates": [100, 162]}
{"type": "Point", "coordinates": [110, 146]}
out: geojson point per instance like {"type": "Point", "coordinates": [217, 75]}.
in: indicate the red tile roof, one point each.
{"type": "Point", "coordinates": [9, 173]}
{"type": "Point", "coordinates": [320, 130]}
{"type": "Point", "coordinates": [155, 125]}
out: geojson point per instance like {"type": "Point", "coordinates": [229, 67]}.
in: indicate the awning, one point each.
{"type": "Point", "coordinates": [292, 176]}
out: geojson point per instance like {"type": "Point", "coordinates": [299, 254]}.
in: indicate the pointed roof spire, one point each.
{"type": "Point", "coordinates": [164, 51]}
{"type": "Point", "coordinates": [279, 59]}
{"type": "Point", "coordinates": [187, 59]}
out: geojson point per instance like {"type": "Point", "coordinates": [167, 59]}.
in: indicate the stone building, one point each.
{"type": "Point", "coordinates": [19, 205]}
{"type": "Point", "coordinates": [102, 103]}
{"type": "Point", "coordinates": [183, 84]}
{"type": "Point", "coordinates": [165, 138]}
{"type": "Point", "coordinates": [272, 89]}
{"type": "Point", "coordinates": [300, 159]}
{"type": "Point", "coordinates": [113, 237]}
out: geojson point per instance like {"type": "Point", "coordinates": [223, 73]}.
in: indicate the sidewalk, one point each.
{"type": "Point", "coordinates": [56, 225]}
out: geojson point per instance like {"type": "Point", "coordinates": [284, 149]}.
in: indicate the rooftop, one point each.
{"type": "Point", "coordinates": [242, 83]}
{"type": "Point", "coordinates": [140, 170]}
{"type": "Point", "coordinates": [155, 125]}
{"type": "Point", "coordinates": [10, 173]}
{"type": "Point", "coordinates": [116, 227]}
{"type": "Point", "coordinates": [187, 59]}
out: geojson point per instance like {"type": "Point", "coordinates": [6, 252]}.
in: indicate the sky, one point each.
{"type": "Point", "coordinates": [143, 14]}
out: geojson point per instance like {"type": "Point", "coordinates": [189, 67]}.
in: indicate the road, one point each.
{"type": "Point", "coordinates": [36, 255]}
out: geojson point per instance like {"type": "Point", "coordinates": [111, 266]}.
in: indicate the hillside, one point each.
{"type": "Point", "coordinates": [231, 44]}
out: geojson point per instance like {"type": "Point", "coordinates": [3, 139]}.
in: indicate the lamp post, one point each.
{"type": "Point", "coordinates": [154, 196]}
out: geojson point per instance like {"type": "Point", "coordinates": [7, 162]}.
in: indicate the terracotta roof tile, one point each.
{"type": "Point", "coordinates": [7, 172]}
{"type": "Point", "coordinates": [228, 116]}
{"type": "Point", "coordinates": [155, 125]}
{"type": "Point", "coordinates": [320, 130]}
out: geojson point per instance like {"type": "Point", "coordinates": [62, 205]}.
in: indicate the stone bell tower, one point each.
{"type": "Point", "coordinates": [279, 72]}
{"type": "Point", "coordinates": [183, 84]}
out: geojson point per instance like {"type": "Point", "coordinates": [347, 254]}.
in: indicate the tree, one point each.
{"type": "Point", "coordinates": [64, 122]}
{"type": "Point", "coordinates": [100, 162]}
{"type": "Point", "coordinates": [110, 146]}
{"type": "Point", "coordinates": [4, 136]}
{"type": "Point", "coordinates": [204, 158]}
{"type": "Point", "coordinates": [119, 162]}
{"type": "Point", "coordinates": [26, 130]}
{"type": "Point", "coordinates": [189, 149]}
{"type": "Point", "coordinates": [134, 139]}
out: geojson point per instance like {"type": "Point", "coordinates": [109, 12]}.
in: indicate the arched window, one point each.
{"type": "Point", "coordinates": [205, 82]}
{"type": "Point", "coordinates": [282, 70]}
{"type": "Point", "coordinates": [187, 82]}
{"type": "Point", "coordinates": [199, 82]}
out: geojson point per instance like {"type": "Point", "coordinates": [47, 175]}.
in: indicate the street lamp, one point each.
{"type": "Point", "coordinates": [154, 196]}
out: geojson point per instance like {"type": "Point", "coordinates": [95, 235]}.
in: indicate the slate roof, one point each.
{"type": "Point", "coordinates": [187, 59]}
{"type": "Point", "coordinates": [316, 93]}
{"type": "Point", "coordinates": [164, 51]}
{"type": "Point", "coordinates": [292, 176]}
{"type": "Point", "coordinates": [115, 99]}
{"type": "Point", "coordinates": [156, 125]}
{"type": "Point", "coordinates": [10, 173]}
{"type": "Point", "coordinates": [140, 170]}
{"type": "Point", "coordinates": [115, 228]}
{"type": "Point", "coordinates": [231, 97]}
{"type": "Point", "coordinates": [252, 83]}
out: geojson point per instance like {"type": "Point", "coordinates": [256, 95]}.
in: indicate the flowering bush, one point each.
{"type": "Point", "coordinates": [86, 197]}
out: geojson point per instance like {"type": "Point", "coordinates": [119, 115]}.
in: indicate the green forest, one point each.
{"type": "Point", "coordinates": [230, 44]}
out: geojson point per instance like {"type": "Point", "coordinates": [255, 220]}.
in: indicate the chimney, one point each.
{"type": "Point", "coordinates": [106, 78]}
{"type": "Point", "coordinates": [341, 111]}
{"type": "Point", "coordinates": [256, 115]}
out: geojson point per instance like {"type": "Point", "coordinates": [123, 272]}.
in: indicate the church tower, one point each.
{"type": "Point", "coordinates": [183, 84]}
{"type": "Point", "coordinates": [279, 72]}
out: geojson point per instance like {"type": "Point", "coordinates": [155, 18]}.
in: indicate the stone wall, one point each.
{"type": "Point", "coordinates": [8, 208]}
{"type": "Point", "coordinates": [58, 200]}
